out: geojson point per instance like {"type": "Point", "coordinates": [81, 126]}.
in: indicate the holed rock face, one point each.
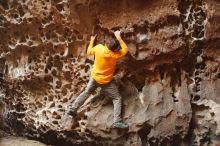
{"type": "Point", "coordinates": [169, 81]}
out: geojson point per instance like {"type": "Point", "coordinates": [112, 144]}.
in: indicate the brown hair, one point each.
{"type": "Point", "coordinates": [113, 44]}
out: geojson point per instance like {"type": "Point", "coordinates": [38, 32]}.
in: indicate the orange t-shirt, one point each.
{"type": "Point", "coordinates": [105, 61]}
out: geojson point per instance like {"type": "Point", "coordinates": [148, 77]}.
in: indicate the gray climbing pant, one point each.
{"type": "Point", "coordinates": [109, 90]}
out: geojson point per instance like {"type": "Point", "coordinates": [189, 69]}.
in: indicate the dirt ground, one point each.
{"type": "Point", "coordinates": [18, 141]}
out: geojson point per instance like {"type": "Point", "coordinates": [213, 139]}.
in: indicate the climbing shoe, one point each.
{"type": "Point", "coordinates": [71, 112]}
{"type": "Point", "coordinates": [120, 125]}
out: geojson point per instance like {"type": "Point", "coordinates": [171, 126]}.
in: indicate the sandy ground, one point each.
{"type": "Point", "coordinates": [18, 141]}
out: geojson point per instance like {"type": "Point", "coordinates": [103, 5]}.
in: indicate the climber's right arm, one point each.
{"type": "Point", "coordinates": [123, 45]}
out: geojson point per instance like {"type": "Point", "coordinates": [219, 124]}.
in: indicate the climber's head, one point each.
{"type": "Point", "coordinates": [113, 44]}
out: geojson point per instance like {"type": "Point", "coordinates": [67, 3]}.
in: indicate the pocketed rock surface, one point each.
{"type": "Point", "coordinates": [169, 81]}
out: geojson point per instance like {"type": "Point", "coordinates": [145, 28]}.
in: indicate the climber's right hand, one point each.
{"type": "Point", "coordinates": [117, 34]}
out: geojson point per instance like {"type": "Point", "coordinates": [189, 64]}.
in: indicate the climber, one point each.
{"type": "Point", "coordinates": [106, 58]}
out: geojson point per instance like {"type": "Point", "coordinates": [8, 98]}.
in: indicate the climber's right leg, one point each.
{"type": "Point", "coordinates": [111, 90]}
{"type": "Point", "coordinates": [92, 85]}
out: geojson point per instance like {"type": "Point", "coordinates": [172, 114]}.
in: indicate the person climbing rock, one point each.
{"type": "Point", "coordinates": [106, 57]}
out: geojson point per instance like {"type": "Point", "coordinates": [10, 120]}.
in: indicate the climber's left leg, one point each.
{"type": "Point", "coordinates": [92, 85]}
